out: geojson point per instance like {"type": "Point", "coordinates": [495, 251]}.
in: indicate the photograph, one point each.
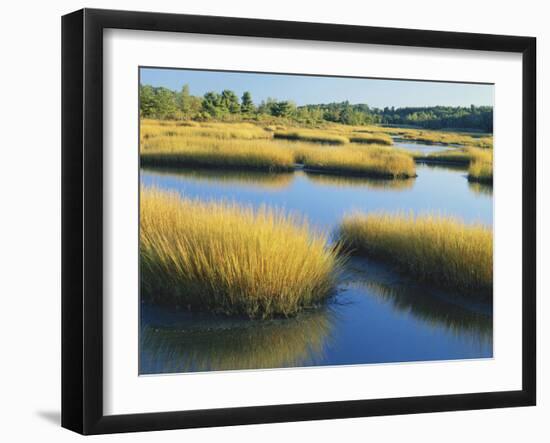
{"type": "Point", "coordinates": [294, 221]}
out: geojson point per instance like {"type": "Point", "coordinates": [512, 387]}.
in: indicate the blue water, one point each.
{"type": "Point", "coordinates": [421, 147]}
{"type": "Point", "coordinates": [324, 199]}
{"type": "Point", "coordinates": [377, 316]}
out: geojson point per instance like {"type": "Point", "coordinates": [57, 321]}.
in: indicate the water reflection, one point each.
{"type": "Point", "coordinates": [355, 181]}
{"type": "Point", "coordinates": [481, 188]}
{"type": "Point", "coordinates": [325, 199]}
{"type": "Point", "coordinates": [455, 313]}
{"type": "Point", "coordinates": [229, 177]}
{"type": "Point", "coordinates": [446, 167]}
{"type": "Point", "coordinates": [182, 342]}
{"type": "Point", "coordinates": [378, 316]}
{"type": "Point", "coordinates": [423, 148]}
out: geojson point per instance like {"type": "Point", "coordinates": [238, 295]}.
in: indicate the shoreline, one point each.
{"type": "Point", "coordinates": [270, 170]}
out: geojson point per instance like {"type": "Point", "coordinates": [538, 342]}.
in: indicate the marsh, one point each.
{"type": "Point", "coordinates": [377, 314]}
{"type": "Point", "coordinates": [324, 227]}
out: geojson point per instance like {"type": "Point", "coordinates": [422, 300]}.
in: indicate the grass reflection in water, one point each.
{"type": "Point", "coordinates": [453, 313]}
{"type": "Point", "coordinates": [481, 188]}
{"type": "Point", "coordinates": [214, 343]}
{"type": "Point", "coordinates": [229, 177]}
{"type": "Point", "coordinates": [359, 182]}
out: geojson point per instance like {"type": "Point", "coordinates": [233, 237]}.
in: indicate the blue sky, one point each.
{"type": "Point", "coordinates": [312, 90]}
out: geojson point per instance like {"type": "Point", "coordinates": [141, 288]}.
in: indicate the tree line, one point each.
{"type": "Point", "coordinates": [164, 103]}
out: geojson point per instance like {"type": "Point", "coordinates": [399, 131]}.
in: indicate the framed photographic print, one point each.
{"type": "Point", "coordinates": [270, 221]}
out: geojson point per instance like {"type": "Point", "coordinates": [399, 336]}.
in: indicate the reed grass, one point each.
{"type": "Point", "coordinates": [314, 136]}
{"type": "Point", "coordinates": [432, 136]}
{"type": "Point", "coordinates": [231, 259]}
{"type": "Point", "coordinates": [481, 171]}
{"type": "Point", "coordinates": [214, 130]}
{"type": "Point", "coordinates": [432, 248]}
{"type": "Point", "coordinates": [377, 139]}
{"type": "Point", "coordinates": [252, 146]}
{"type": "Point", "coordinates": [444, 137]}
{"type": "Point", "coordinates": [483, 142]}
{"type": "Point", "coordinates": [374, 161]}
{"type": "Point", "coordinates": [451, 156]}
{"type": "Point", "coordinates": [207, 152]}
{"type": "Point", "coordinates": [153, 122]}
{"type": "Point", "coordinates": [460, 156]}
{"type": "Point", "coordinates": [211, 145]}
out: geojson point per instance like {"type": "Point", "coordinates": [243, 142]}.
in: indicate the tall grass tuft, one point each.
{"type": "Point", "coordinates": [217, 145]}
{"type": "Point", "coordinates": [376, 139]}
{"type": "Point", "coordinates": [481, 171]}
{"type": "Point", "coordinates": [243, 157]}
{"type": "Point", "coordinates": [432, 136]}
{"type": "Point", "coordinates": [460, 156]}
{"type": "Point", "coordinates": [444, 137]}
{"type": "Point", "coordinates": [232, 259]}
{"type": "Point", "coordinates": [205, 152]}
{"type": "Point", "coordinates": [374, 161]}
{"type": "Point", "coordinates": [432, 248]}
{"type": "Point", "coordinates": [311, 135]}
{"type": "Point", "coordinates": [215, 130]}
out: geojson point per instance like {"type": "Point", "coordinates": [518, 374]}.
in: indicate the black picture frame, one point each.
{"type": "Point", "coordinates": [82, 218]}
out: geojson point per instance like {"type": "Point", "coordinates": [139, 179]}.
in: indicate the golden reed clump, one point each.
{"type": "Point", "coordinates": [313, 136]}
{"type": "Point", "coordinates": [432, 248]}
{"type": "Point", "coordinates": [232, 259]}
{"type": "Point", "coordinates": [370, 161]}
{"type": "Point", "coordinates": [372, 138]}
{"type": "Point", "coordinates": [481, 167]}
{"type": "Point", "coordinates": [214, 145]}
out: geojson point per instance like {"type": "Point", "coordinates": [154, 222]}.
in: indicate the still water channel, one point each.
{"type": "Point", "coordinates": [377, 316]}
